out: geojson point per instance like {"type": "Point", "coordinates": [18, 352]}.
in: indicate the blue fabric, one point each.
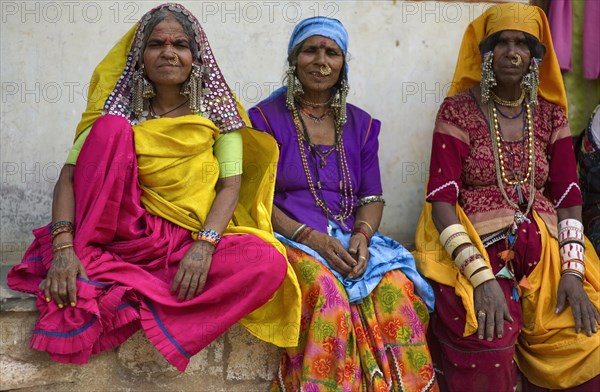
{"type": "Point", "coordinates": [385, 255]}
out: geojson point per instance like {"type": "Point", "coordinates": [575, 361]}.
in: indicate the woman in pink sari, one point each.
{"type": "Point", "coordinates": [154, 224]}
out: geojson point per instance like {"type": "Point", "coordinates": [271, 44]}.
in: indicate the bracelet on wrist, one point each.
{"type": "Point", "coordinates": [366, 224]}
{"type": "Point", "coordinates": [304, 233]}
{"type": "Point", "coordinates": [61, 246]}
{"type": "Point", "coordinates": [207, 235]}
{"type": "Point", "coordinates": [297, 232]}
{"type": "Point", "coordinates": [360, 230]}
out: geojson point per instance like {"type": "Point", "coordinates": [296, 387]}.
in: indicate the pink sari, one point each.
{"type": "Point", "coordinates": [131, 257]}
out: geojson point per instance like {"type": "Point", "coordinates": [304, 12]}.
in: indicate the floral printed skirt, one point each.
{"type": "Point", "coordinates": [378, 345]}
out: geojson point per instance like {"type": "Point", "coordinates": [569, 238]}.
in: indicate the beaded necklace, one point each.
{"type": "Point", "coordinates": [511, 234]}
{"type": "Point", "coordinates": [346, 190]}
{"type": "Point", "coordinates": [501, 177]}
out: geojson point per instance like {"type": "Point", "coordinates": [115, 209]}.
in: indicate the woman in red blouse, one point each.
{"type": "Point", "coordinates": [501, 232]}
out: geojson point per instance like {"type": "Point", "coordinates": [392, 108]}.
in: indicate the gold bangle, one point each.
{"type": "Point", "coordinates": [61, 247]}
{"type": "Point", "coordinates": [481, 277]}
{"type": "Point", "coordinates": [367, 224]}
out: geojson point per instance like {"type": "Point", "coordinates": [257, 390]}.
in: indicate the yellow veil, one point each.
{"type": "Point", "coordinates": [509, 16]}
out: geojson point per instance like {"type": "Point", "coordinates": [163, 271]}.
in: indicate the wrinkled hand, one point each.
{"type": "Point", "coordinates": [332, 250]}
{"type": "Point", "coordinates": [584, 312]}
{"type": "Point", "coordinates": [490, 309]}
{"type": "Point", "coordinates": [359, 249]}
{"type": "Point", "coordinates": [60, 283]}
{"type": "Point", "coordinates": [193, 270]}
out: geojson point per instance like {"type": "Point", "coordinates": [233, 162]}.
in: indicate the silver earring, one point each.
{"type": "Point", "coordinates": [339, 102]}
{"type": "Point", "coordinates": [142, 90]}
{"type": "Point", "coordinates": [294, 87]}
{"type": "Point", "coordinates": [193, 89]}
{"type": "Point", "coordinates": [488, 78]}
{"type": "Point", "coordinates": [531, 81]}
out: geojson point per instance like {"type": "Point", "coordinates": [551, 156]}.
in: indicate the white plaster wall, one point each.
{"type": "Point", "coordinates": [402, 59]}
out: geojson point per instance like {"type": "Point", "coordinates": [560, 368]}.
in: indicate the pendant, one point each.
{"type": "Point", "coordinates": [323, 162]}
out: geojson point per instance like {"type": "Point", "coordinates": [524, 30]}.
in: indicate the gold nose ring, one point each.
{"type": "Point", "coordinates": [517, 60]}
{"type": "Point", "coordinates": [174, 60]}
{"type": "Point", "coordinates": [325, 70]}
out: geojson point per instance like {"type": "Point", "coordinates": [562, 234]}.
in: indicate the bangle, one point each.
{"type": "Point", "coordinates": [573, 265]}
{"type": "Point", "coordinates": [360, 230]}
{"type": "Point", "coordinates": [572, 251]}
{"type": "Point", "coordinates": [207, 235]}
{"type": "Point", "coordinates": [61, 246]}
{"type": "Point", "coordinates": [304, 234]}
{"type": "Point", "coordinates": [370, 199]}
{"type": "Point", "coordinates": [481, 276]}
{"type": "Point", "coordinates": [366, 224]}
{"type": "Point", "coordinates": [298, 230]}
{"type": "Point", "coordinates": [574, 273]}
{"type": "Point", "coordinates": [454, 236]}
{"type": "Point", "coordinates": [61, 227]}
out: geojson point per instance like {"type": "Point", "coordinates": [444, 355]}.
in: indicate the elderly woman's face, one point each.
{"type": "Point", "coordinates": [511, 57]}
{"type": "Point", "coordinates": [315, 52]}
{"type": "Point", "coordinates": [168, 57]}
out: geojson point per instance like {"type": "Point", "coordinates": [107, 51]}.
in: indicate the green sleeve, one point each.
{"type": "Point", "coordinates": [74, 153]}
{"type": "Point", "coordinates": [229, 152]}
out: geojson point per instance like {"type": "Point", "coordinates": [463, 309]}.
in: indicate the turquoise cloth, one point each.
{"type": "Point", "coordinates": [385, 255]}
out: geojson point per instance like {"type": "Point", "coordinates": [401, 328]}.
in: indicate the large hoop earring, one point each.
{"type": "Point", "coordinates": [294, 87]}
{"type": "Point", "coordinates": [531, 81]}
{"type": "Point", "coordinates": [142, 91]}
{"type": "Point", "coordinates": [488, 78]}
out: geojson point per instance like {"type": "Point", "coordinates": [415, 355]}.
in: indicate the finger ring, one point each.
{"type": "Point", "coordinates": [362, 257]}
{"type": "Point", "coordinates": [481, 313]}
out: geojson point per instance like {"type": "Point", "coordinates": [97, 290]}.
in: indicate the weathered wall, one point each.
{"type": "Point", "coordinates": [402, 59]}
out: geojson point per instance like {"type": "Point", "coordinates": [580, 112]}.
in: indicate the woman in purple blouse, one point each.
{"type": "Point", "coordinates": [365, 308]}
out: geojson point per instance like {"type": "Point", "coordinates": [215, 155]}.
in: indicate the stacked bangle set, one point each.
{"type": "Point", "coordinates": [61, 227]}
{"type": "Point", "coordinates": [572, 248]}
{"type": "Point", "coordinates": [469, 261]}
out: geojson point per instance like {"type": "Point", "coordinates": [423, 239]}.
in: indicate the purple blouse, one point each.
{"type": "Point", "coordinates": [292, 193]}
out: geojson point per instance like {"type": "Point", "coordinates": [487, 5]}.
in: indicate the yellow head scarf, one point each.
{"type": "Point", "coordinates": [112, 82]}
{"type": "Point", "coordinates": [509, 16]}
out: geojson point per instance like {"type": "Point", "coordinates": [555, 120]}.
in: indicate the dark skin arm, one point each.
{"type": "Point", "coordinates": [350, 262]}
{"type": "Point", "coordinates": [488, 296]}
{"type": "Point", "coordinates": [60, 282]}
{"type": "Point", "coordinates": [571, 290]}
{"type": "Point", "coordinates": [194, 266]}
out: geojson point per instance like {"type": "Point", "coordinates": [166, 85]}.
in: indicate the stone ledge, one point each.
{"type": "Point", "coordinates": [235, 362]}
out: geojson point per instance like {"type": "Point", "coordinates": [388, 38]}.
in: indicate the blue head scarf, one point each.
{"type": "Point", "coordinates": [323, 26]}
{"type": "Point", "coordinates": [318, 25]}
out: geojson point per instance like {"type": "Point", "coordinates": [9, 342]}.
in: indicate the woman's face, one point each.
{"type": "Point", "coordinates": [507, 66]}
{"type": "Point", "coordinates": [167, 56]}
{"type": "Point", "coordinates": [316, 52]}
